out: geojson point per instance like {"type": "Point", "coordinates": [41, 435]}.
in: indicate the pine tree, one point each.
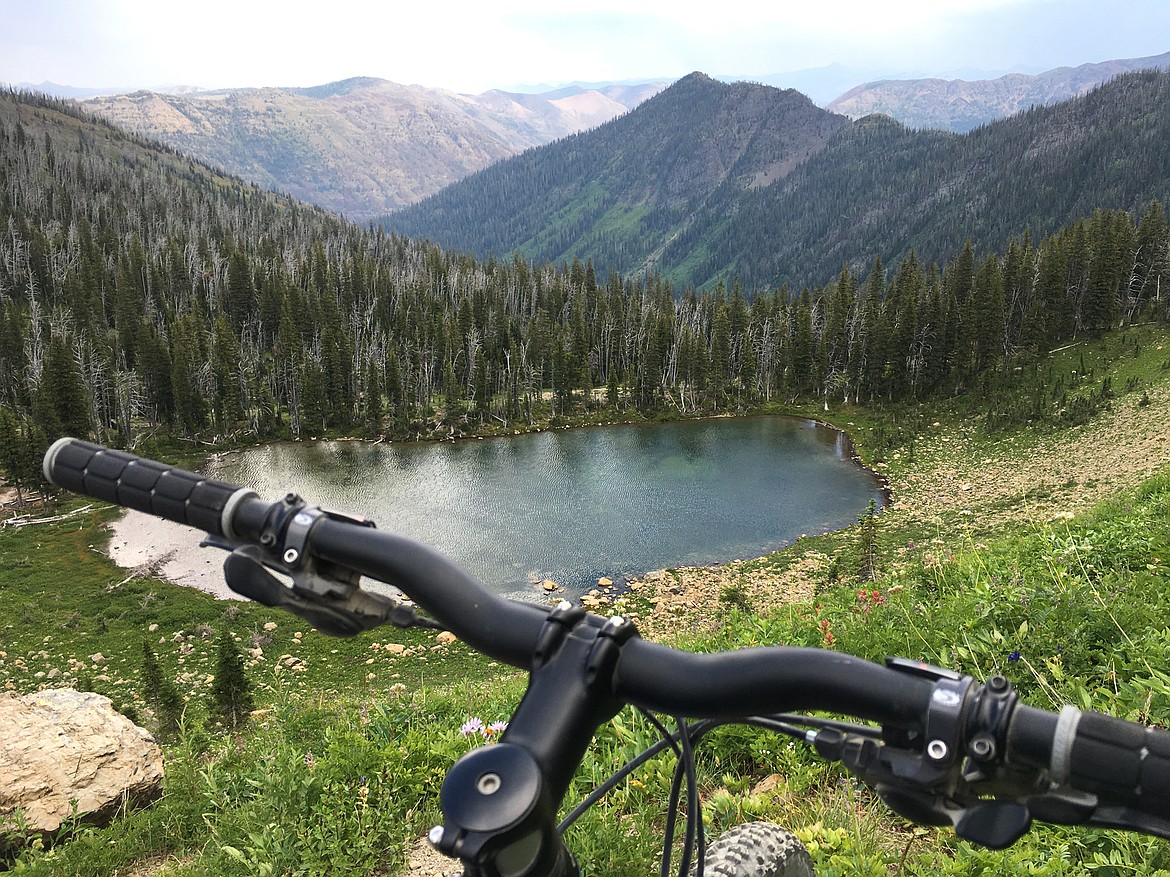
{"type": "Point", "coordinates": [987, 314]}
{"type": "Point", "coordinates": [288, 355]}
{"type": "Point", "coordinates": [231, 693]}
{"type": "Point", "coordinates": [154, 370]}
{"type": "Point", "coordinates": [959, 284]}
{"type": "Point", "coordinates": [720, 351]}
{"type": "Point", "coordinates": [803, 379]}
{"type": "Point", "coordinates": [61, 406]}
{"type": "Point", "coordinates": [160, 693]}
{"type": "Point", "coordinates": [11, 451]}
{"type": "Point", "coordinates": [372, 403]}
{"type": "Point", "coordinates": [866, 344]}
{"type": "Point", "coordinates": [240, 295]}
{"type": "Point", "coordinates": [1152, 260]}
{"type": "Point", "coordinates": [225, 369]}
{"type": "Point", "coordinates": [186, 360]}
{"type": "Point", "coordinates": [315, 400]}
{"type": "Point", "coordinates": [1099, 306]}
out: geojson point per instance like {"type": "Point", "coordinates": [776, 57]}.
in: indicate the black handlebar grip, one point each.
{"type": "Point", "coordinates": [1121, 762]}
{"type": "Point", "coordinates": [144, 485]}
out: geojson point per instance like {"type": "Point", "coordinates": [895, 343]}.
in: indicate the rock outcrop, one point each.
{"type": "Point", "coordinates": [61, 747]}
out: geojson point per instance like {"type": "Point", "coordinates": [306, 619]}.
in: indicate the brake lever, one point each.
{"type": "Point", "coordinates": [332, 600]}
{"type": "Point", "coordinates": [990, 823]}
{"type": "Point", "coordinates": [927, 776]}
{"type": "Point", "coordinates": [924, 793]}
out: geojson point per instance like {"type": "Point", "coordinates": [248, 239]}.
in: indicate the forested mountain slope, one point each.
{"type": "Point", "coordinates": [143, 295]}
{"type": "Point", "coordinates": [620, 193]}
{"type": "Point", "coordinates": [841, 194]}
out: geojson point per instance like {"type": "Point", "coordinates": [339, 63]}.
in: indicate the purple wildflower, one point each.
{"type": "Point", "coordinates": [471, 726]}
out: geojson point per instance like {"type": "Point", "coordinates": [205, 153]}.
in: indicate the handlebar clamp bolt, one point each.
{"type": "Point", "coordinates": [982, 747]}
{"type": "Point", "coordinates": [998, 684]}
{"type": "Point", "coordinates": [936, 750]}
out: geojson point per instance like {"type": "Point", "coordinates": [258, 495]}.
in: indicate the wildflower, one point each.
{"type": "Point", "coordinates": [827, 633]}
{"type": "Point", "coordinates": [495, 728]}
{"type": "Point", "coordinates": [310, 759]}
{"type": "Point", "coordinates": [471, 726]}
{"type": "Point", "coordinates": [1014, 656]}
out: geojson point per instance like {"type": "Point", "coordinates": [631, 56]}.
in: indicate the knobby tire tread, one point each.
{"type": "Point", "coordinates": [757, 849]}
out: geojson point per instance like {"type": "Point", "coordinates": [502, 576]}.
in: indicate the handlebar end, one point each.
{"type": "Point", "coordinates": [144, 485]}
{"type": "Point", "coordinates": [50, 462]}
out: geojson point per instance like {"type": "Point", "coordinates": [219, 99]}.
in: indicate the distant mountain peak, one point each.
{"type": "Point", "coordinates": [362, 146]}
{"type": "Point", "coordinates": [343, 86]}
{"type": "Point", "coordinates": [636, 183]}
{"type": "Point", "coordinates": [964, 104]}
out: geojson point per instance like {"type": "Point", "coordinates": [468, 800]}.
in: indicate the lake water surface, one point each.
{"type": "Point", "coordinates": [575, 505]}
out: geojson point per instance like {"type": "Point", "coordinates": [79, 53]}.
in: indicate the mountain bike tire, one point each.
{"type": "Point", "coordinates": [757, 849]}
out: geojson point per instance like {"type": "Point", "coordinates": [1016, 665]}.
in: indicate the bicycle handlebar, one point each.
{"type": "Point", "coordinates": [1070, 767]}
{"type": "Point", "coordinates": [653, 676]}
{"type": "Point", "coordinates": [1121, 761]}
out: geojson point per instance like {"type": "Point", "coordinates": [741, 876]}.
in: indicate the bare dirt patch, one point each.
{"type": "Point", "coordinates": [423, 860]}
{"type": "Point", "coordinates": [690, 596]}
{"type": "Point", "coordinates": [160, 866]}
{"type": "Point", "coordinates": [1064, 472]}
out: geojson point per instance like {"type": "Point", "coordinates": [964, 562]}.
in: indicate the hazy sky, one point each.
{"type": "Point", "coordinates": [473, 45]}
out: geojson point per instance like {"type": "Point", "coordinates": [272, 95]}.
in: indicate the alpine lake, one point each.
{"type": "Point", "coordinates": [569, 505]}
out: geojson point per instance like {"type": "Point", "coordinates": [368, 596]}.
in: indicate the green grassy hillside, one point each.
{"type": "Point", "coordinates": [1041, 551]}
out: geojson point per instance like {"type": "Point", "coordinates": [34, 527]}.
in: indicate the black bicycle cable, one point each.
{"type": "Point", "coordinates": [616, 777]}
{"type": "Point", "coordinates": [788, 724]}
{"type": "Point", "coordinates": [695, 843]}
{"type": "Point", "coordinates": [684, 770]}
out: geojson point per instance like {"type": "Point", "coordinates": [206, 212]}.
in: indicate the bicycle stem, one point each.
{"type": "Point", "coordinates": [500, 801]}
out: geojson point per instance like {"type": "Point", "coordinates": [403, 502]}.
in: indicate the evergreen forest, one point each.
{"type": "Point", "coordinates": [145, 297]}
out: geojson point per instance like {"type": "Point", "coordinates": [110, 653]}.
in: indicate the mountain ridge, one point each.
{"type": "Point", "coordinates": [664, 174]}
{"type": "Point", "coordinates": [850, 192]}
{"type": "Point", "coordinates": [364, 147]}
{"type": "Point", "coordinates": [960, 105]}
